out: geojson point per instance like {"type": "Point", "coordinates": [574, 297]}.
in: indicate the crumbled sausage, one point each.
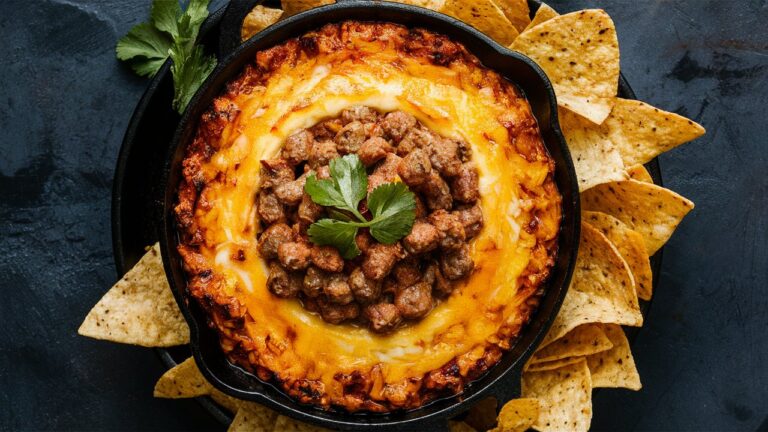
{"type": "Point", "coordinates": [269, 207]}
{"type": "Point", "coordinates": [437, 193]}
{"type": "Point", "coordinates": [415, 138]}
{"type": "Point", "coordinates": [465, 151]}
{"type": "Point", "coordinates": [310, 304]}
{"type": "Point", "coordinates": [300, 233]}
{"type": "Point", "coordinates": [338, 313]}
{"type": "Point", "coordinates": [406, 272]}
{"type": "Point", "coordinates": [423, 238]}
{"type": "Point", "coordinates": [465, 186]}
{"type": "Point", "coordinates": [327, 129]}
{"type": "Point", "coordinates": [309, 211]}
{"type": "Point", "coordinates": [415, 168]}
{"type": "Point", "coordinates": [314, 281]}
{"type": "Point", "coordinates": [414, 301]}
{"type": "Point", "coordinates": [272, 238]}
{"type": "Point", "coordinates": [322, 153]}
{"type": "Point", "coordinates": [365, 290]}
{"type": "Point", "coordinates": [324, 172]}
{"type": "Point", "coordinates": [327, 258]}
{"type": "Point", "coordinates": [449, 228]}
{"type": "Point", "coordinates": [385, 172]}
{"type": "Point", "coordinates": [388, 283]}
{"type": "Point", "coordinates": [296, 147]}
{"type": "Point", "coordinates": [441, 286]}
{"type": "Point", "coordinates": [421, 208]}
{"type": "Point", "coordinates": [396, 124]}
{"type": "Point", "coordinates": [373, 150]}
{"type": "Point", "coordinates": [472, 219]}
{"type": "Point", "coordinates": [359, 113]}
{"type": "Point", "coordinates": [382, 317]}
{"type": "Point", "coordinates": [373, 130]}
{"type": "Point", "coordinates": [290, 193]}
{"type": "Point", "coordinates": [444, 155]}
{"type": "Point", "coordinates": [294, 255]}
{"type": "Point", "coordinates": [363, 240]}
{"type": "Point", "coordinates": [337, 290]}
{"type": "Point", "coordinates": [379, 260]}
{"type": "Point", "coordinates": [389, 286]}
{"type": "Point", "coordinates": [457, 263]}
{"type": "Point", "coordinates": [275, 172]}
{"type": "Point", "coordinates": [282, 283]}
{"type": "Point", "coordinates": [350, 138]}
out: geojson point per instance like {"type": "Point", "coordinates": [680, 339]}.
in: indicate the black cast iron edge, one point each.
{"type": "Point", "coordinates": [118, 246]}
{"type": "Point", "coordinates": [502, 381]}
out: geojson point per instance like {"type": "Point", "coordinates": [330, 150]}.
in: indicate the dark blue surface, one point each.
{"type": "Point", "coordinates": [64, 105]}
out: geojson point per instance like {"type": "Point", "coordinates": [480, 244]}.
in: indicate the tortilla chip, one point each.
{"type": "Point", "coordinates": [483, 15]}
{"type": "Point", "coordinates": [602, 289]}
{"type": "Point", "coordinates": [543, 13]}
{"type": "Point", "coordinates": [615, 367]}
{"type": "Point", "coordinates": [182, 381]}
{"type": "Point", "coordinates": [565, 397]}
{"type": "Point", "coordinates": [516, 11]}
{"type": "Point", "coordinates": [231, 404]}
{"type": "Point", "coordinates": [592, 108]}
{"type": "Point", "coordinates": [639, 173]}
{"type": "Point", "coordinates": [139, 309]}
{"type": "Point", "coordinates": [552, 365]}
{"type": "Point", "coordinates": [258, 19]}
{"type": "Point", "coordinates": [584, 340]}
{"type": "Point", "coordinates": [253, 418]}
{"type": "Point", "coordinates": [284, 423]}
{"type": "Point", "coordinates": [595, 157]}
{"type": "Point", "coordinates": [434, 5]}
{"type": "Point", "coordinates": [630, 245]}
{"type": "Point", "coordinates": [518, 415]}
{"type": "Point", "coordinates": [642, 132]}
{"type": "Point", "coordinates": [579, 53]}
{"type": "Point", "coordinates": [651, 210]}
{"type": "Point", "coordinates": [292, 7]}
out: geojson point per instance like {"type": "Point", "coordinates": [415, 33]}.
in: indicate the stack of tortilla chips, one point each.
{"type": "Point", "coordinates": [626, 219]}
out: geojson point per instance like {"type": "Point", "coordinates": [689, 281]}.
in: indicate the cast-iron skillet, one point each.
{"type": "Point", "coordinates": [503, 380]}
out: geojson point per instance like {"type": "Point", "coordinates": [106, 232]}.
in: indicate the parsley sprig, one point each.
{"type": "Point", "coordinates": [392, 207]}
{"type": "Point", "coordinates": [172, 33]}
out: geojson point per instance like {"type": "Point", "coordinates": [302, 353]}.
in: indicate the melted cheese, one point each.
{"type": "Point", "coordinates": [292, 341]}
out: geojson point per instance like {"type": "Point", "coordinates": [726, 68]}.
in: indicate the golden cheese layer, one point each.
{"type": "Point", "coordinates": [295, 86]}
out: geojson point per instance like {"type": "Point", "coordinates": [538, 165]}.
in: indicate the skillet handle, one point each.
{"type": "Point", "coordinates": [231, 23]}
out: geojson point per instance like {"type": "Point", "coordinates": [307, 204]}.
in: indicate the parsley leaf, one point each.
{"type": "Point", "coordinates": [189, 72]}
{"type": "Point", "coordinates": [392, 206]}
{"type": "Point", "coordinates": [338, 234]}
{"type": "Point", "coordinates": [346, 187]}
{"type": "Point", "coordinates": [351, 180]}
{"type": "Point", "coordinates": [324, 192]}
{"type": "Point", "coordinates": [172, 33]}
{"type": "Point", "coordinates": [165, 16]}
{"type": "Point", "coordinates": [144, 48]}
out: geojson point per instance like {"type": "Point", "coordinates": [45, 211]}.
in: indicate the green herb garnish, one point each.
{"type": "Point", "coordinates": [172, 33]}
{"type": "Point", "coordinates": [392, 206]}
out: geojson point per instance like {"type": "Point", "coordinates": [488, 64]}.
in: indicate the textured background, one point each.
{"type": "Point", "coordinates": [64, 105]}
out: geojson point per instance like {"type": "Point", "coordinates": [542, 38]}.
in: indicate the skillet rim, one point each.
{"type": "Point", "coordinates": [540, 324]}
